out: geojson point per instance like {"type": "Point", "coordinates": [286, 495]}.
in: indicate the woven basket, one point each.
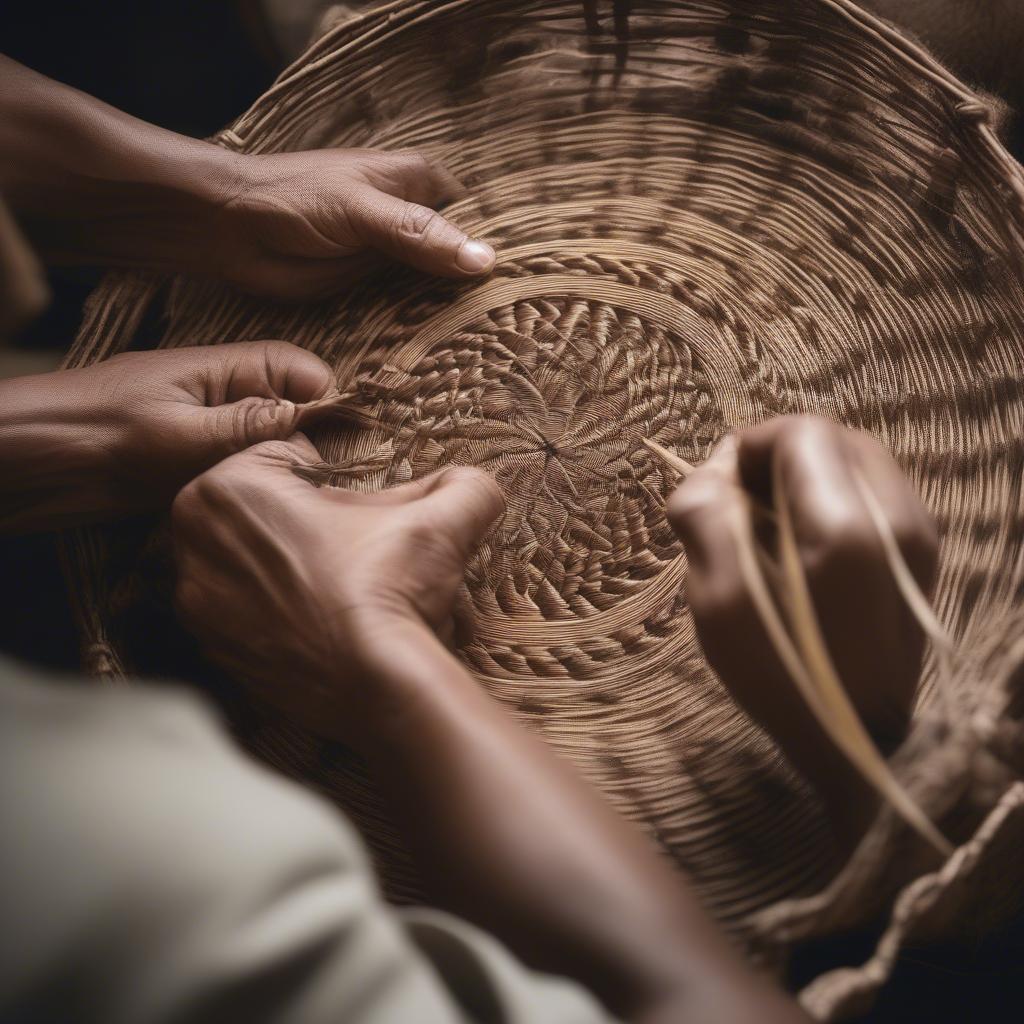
{"type": "Point", "coordinates": [707, 214]}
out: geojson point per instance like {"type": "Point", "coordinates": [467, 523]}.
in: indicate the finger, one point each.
{"type": "Point", "coordinates": [909, 521]}
{"type": "Point", "coordinates": [231, 428]}
{"type": "Point", "coordinates": [696, 509]}
{"type": "Point", "coordinates": [756, 451]}
{"type": "Point", "coordinates": [463, 503]}
{"type": "Point", "coordinates": [708, 512]}
{"type": "Point", "coordinates": [412, 176]}
{"type": "Point", "coordinates": [226, 430]}
{"type": "Point", "coordinates": [812, 457]}
{"type": "Point", "coordinates": [417, 235]}
{"type": "Point", "coordinates": [267, 369]}
{"type": "Point", "coordinates": [852, 588]}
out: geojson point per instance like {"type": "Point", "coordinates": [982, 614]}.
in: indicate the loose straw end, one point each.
{"type": "Point", "coordinates": [680, 465]}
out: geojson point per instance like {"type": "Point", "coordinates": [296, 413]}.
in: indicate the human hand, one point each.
{"type": "Point", "coordinates": [312, 596]}
{"type": "Point", "coordinates": [93, 186]}
{"type": "Point", "coordinates": [125, 434]}
{"type": "Point", "coordinates": [296, 224]}
{"type": "Point", "coordinates": [873, 639]}
{"type": "Point", "coordinates": [304, 594]}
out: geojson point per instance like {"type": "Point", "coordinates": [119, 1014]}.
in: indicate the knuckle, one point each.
{"type": "Point", "coordinates": [184, 509]}
{"type": "Point", "coordinates": [197, 499]}
{"type": "Point", "coordinates": [852, 533]}
{"type": "Point", "coordinates": [471, 478]}
{"type": "Point", "coordinates": [492, 498]}
{"type": "Point", "coordinates": [416, 221]}
{"type": "Point", "coordinates": [240, 423]}
{"type": "Point", "coordinates": [241, 420]}
{"type": "Point", "coordinates": [188, 505]}
{"type": "Point", "coordinates": [845, 544]}
{"type": "Point", "coordinates": [691, 502]}
{"type": "Point", "coordinates": [717, 603]}
{"type": "Point", "coordinates": [275, 349]}
{"type": "Point", "coordinates": [416, 161]}
{"type": "Point", "coordinates": [462, 474]}
{"type": "Point", "coordinates": [682, 504]}
{"type": "Point", "coordinates": [802, 435]}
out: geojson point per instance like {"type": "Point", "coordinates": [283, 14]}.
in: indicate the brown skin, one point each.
{"type": "Point", "coordinates": [126, 434]}
{"type": "Point", "coordinates": [340, 595]}
{"type": "Point", "coordinates": [874, 641]}
{"type": "Point", "coordinates": [326, 603]}
{"type": "Point", "coordinates": [346, 592]}
{"type": "Point", "coordinates": [92, 185]}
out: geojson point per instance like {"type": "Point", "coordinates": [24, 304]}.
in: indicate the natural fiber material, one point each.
{"type": "Point", "coordinates": [706, 213]}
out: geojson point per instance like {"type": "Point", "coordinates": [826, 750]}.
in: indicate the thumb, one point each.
{"type": "Point", "coordinates": [264, 369]}
{"type": "Point", "coordinates": [417, 235]}
{"type": "Point", "coordinates": [274, 459]}
{"type": "Point", "coordinates": [233, 427]}
{"type": "Point", "coordinates": [463, 503]}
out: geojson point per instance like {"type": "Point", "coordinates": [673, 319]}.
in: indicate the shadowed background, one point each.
{"type": "Point", "coordinates": [212, 60]}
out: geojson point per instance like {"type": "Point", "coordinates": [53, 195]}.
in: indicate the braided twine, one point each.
{"type": "Point", "coordinates": [706, 213]}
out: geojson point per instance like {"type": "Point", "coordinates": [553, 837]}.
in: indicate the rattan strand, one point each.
{"type": "Point", "coordinates": [706, 214]}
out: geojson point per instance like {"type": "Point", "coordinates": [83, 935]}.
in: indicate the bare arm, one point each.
{"type": "Point", "coordinates": [345, 591]}
{"type": "Point", "coordinates": [92, 185]}
{"type": "Point", "coordinates": [511, 838]}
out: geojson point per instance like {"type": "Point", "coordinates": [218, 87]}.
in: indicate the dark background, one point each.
{"type": "Point", "coordinates": [188, 65]}
{"type": "Point", "coordinates": [193, 66]}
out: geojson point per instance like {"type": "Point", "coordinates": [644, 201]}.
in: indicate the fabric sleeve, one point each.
{"type": "Point", "coordinates": [151, 873]}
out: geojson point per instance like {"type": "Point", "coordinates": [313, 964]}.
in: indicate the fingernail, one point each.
{"type": "Point", "coordinates": [474, 257]}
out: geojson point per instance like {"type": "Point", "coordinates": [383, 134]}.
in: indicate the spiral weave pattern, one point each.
{"type": "Point", "coordinates": [706, 214]}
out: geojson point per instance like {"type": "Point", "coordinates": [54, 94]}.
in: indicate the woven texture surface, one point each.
{"type": "Point", "coordinates": [706, 214]}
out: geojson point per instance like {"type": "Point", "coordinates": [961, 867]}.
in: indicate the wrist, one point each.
{"type": "Point", "coordinates": [414, 683]}
{"type": "Point", "coordinates": [57, 449]}
{"type": "Point", "coordinates": [93, 185]}
{"type": "Point", "coordinates": [159, 212]}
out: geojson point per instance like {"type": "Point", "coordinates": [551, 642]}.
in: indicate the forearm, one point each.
{"type": "Point", "coordinates": [507, 835]}
{"type": "Point", "coordinates": [92, 185]}
{"type": "Point", "coordinates": [54, 453]}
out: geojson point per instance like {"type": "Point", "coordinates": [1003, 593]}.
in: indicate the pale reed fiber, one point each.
{"type": "Point", "coordinates": [706, 213]}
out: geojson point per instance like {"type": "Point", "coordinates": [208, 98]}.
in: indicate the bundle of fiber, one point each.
{"type": "Point", "coordinates": [706, 214]}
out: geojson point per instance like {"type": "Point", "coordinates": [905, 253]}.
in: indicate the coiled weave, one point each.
{"type": "Point", "coordinates": [706, 214]}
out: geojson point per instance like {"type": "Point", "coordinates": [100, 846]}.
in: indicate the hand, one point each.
{"type": "Point", "coordinates": [325, 601]}
{"type": "Point", "coordinates": [299, 592]}
{"type": "Point", "coordinates": [296, 223]}
{"type": "Point", "coordinates": [874, 641]}
{"type": "Point", "coordinates": [126, 434]}
{"type": "Point", "coordinates": [93, 186]}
